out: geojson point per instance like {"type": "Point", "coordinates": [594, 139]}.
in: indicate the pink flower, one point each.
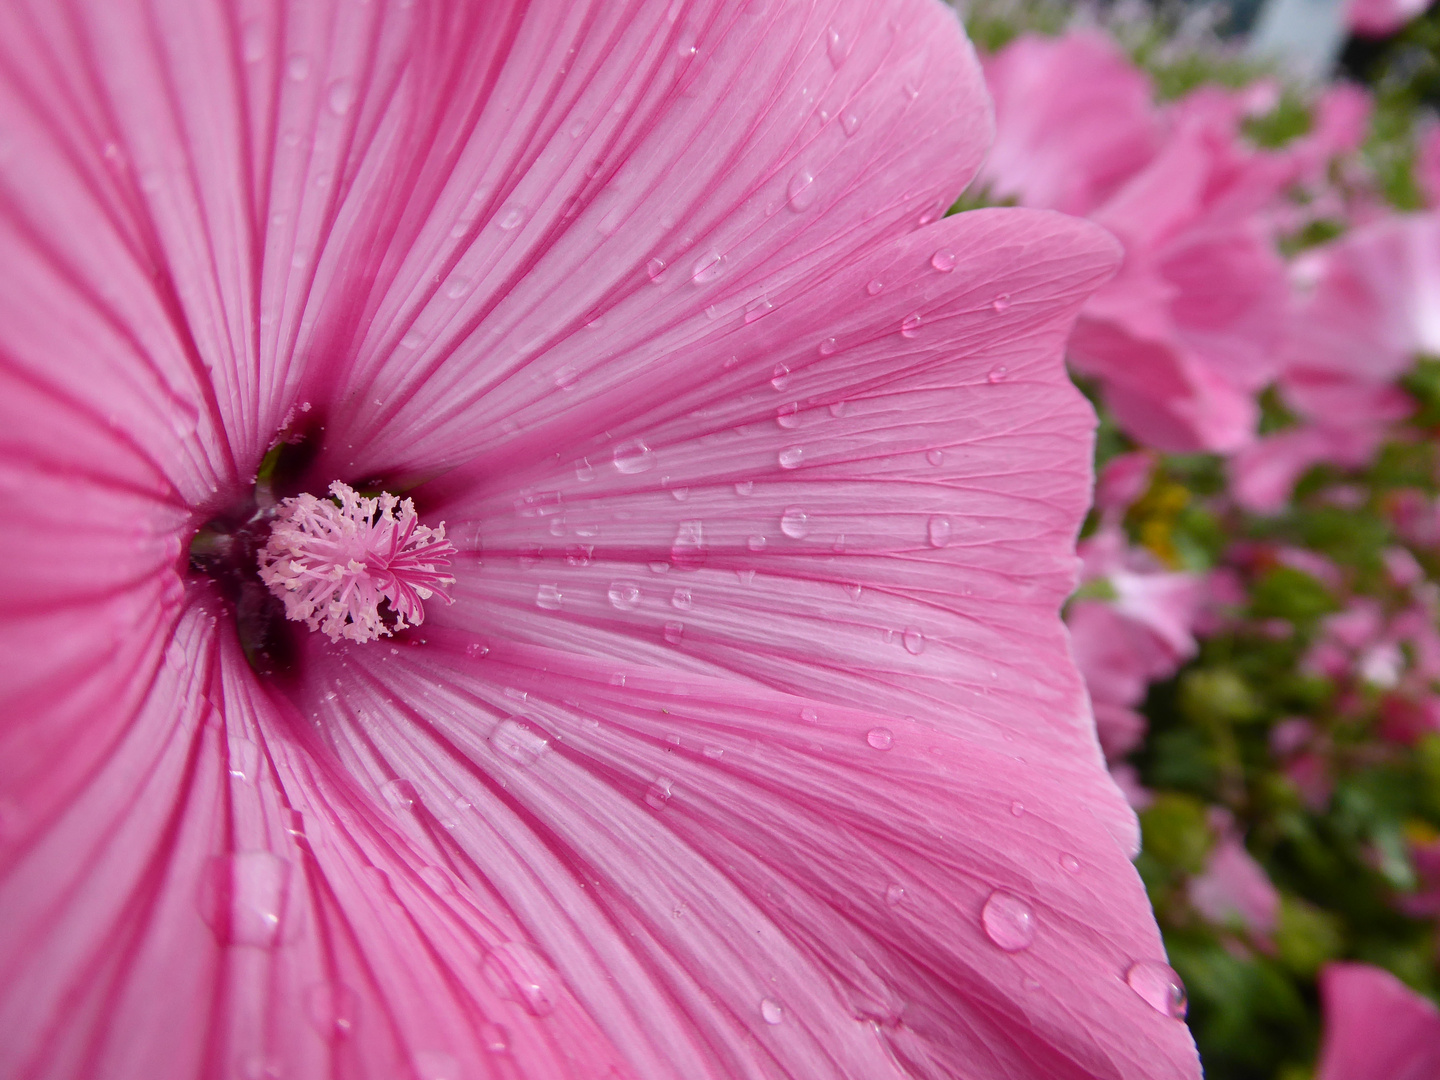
{"type": "Point", "coordinates": [1137, 635]}
{"type": "Point", "coordinates": [1376, 1028]}
{"type": "Point", "coordinates": [1185, 335]}
{"type": "Point", "coordinates": [1234, 888]}
{"type": "Point", "coordinates": [1365, 306]}
{"type": "Point", "coordinates": [1074, 121]}
{"type": "Point", "coordinates": [750, 743]}
{"type": "Point", "coordinates": [1381, 18]}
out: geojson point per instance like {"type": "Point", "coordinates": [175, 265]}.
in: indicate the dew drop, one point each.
{"type": "Point", "coordinates": [399, 794]}
{"type": "Point", "coordinates": [755, 542]}
{"type": "Point", "coordinates": [511, 218]}
{"type": "Point", "coordinates": [495, 1038]}
{"type": "Point", "coordinates": [330, 1007]}
{"type": "Point", "coordinates": [656, 269]}
{"type": "Point", "coordinates": [913, 640]}
{"type": "Point", "coordinates": [688, 548]}
{"type": "Point", "coordinates": [874, 287]}
{"type": "Point", "coordinates": [837, 409]}
{"type": "Point", "coordinates": [298, 67]}
{"type": "Point", "coordinates": [771, 1012]}
{"type": "Point", "coordinates": [943, 260]}
{"type": "Point", "coordinates": [565, 377]}
{"type": "Point", "coordinates": [758, 309]}
{"type": "Point", "coordinates": [674, 632]}
{"type": "Point", "coordinates": [780, 377]}
{"type": "Point", "coordinates": [624, 595]}
{"type": "Point", "coordinates": [243, 759]}
{"type": "Point", "coordinates": [1008, 921]}
{"type": "Point", "coordinates": [935, 457]}
{"type": "Point", "coordinates": [1017, 808]}
{"type": "Point", "coordinates": [788, 415]}
{"type": "Point", "coordinates": [791, 457]}
{"type": "Point", "coordinates": [681, 600]}
{"type": "Point", "coordinates": [880, 738]}
{"type": "Point", "coordinates": [521, 974]}
{"type": "Point", "coordinates": [744, 487]}
{"type": "Point", "coordinates": [1159, 987]}
{"type": "Point", "coordinates": [584, 471]}
{"type": "Point", "coordinates": [340, 97]}
{"type": "Point", "coordinates": [849, 122]}
{"type": "Point", "coordinates": [707, 268]}
{"type": "Point", "coordinates": [809, 715]}
{"type": "Point", "coordinates": [547, 597]}
{"type": "Point", "coordinates": [1000, 303]}
{"type": "Point", "coordinates": [997, 374]}
{"type": "Point", "coordinates": [801, 191]}
{"type": "Point", "coordinates": [242, 897]}
{"type": "Point", "coordinates": [835, 46]}
{"type": "Point", "coordinates": [1070, 863]}
{"type": "Point", "coordinates": [853, 589]}
{"type": "Point", "coordinates": [657, 797]}
{"type": "Point", "coordinates": [794, 523]}
{"type": "Point", "coordinates": [911, 326]}
{"type": "Point", "coordinates": [634, 457]}
{"type": "Point", "coordinates": [826, 347]}
{"type": "Point", "coordinates": [938, 530]}
{"type": "Point", "coordinates": [894, 895]}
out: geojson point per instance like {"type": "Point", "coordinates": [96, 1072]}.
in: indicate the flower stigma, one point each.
{"type": "Point", "coordinates": [335, 562]}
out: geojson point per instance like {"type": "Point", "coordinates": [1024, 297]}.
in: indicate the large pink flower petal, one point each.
{"type": "Point", "coordinates": [1376, 1028]}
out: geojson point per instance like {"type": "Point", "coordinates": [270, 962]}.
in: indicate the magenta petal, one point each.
{"type": "Point", "coordinates": [1376, 1028]}
{"type": "Point", "coordinates": [724, 873]}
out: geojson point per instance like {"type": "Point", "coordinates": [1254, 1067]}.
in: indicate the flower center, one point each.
{"type": "Point", "coordinates": [354, 567]}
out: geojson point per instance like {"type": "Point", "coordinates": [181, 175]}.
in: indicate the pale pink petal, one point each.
{"type": "Point", "coordinates": [1373, 301]}
{"type": "Point", "coordinates": [1124, 479]}
{"type": "Point", "coordinates": [1263, 474]}
{"type": "Point", "coordinates": [1381, 18]}
{"type": "Point", "coordinates": [1235, 888]}
{"type": "Point", "coordinates": [1074, 121]}
{"type": "Point", "coordinates": [598, 272]}
{"type": "Point", "coordinates": [1376, 1028]}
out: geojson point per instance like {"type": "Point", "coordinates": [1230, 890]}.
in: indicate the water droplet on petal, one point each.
{"type": "Point", "coordinates": [1008, 921]}
{"type": "Point", "coordinates": [771, 1012]}
{"type": "Point", "coordinates": [801, 192]}
{"type": "Point", "coordinates": [688, 549]}
{"type": "Point", "coordinates": [894, 895]}
{"type": "Point", "coordinates": [794, 523]}
{"type": "Point", "coordinates": [674, 631]}
{"type": "Point", "coordinates": [935, 457]}
{"type": "Point", "coordinates": [1000, 303]}
{"type": "Point", "coordinates": [340, 97]}
{"type": "Point", "coordinates": [911, 326]}
{"type": "Point", "coordinates": [547, 597]}
{"type": "Point", "coordinates": [997, 374]}
{"type": "Point", "coordinates": [298, 67]}
{"type": "Point", "coordinates": [656, 269]}
{"type": "Point", "coordinates": [242, 897]}
{"type": "Point", "coordinates": [880, 738]}
{"type": "Point", "coordinates": [758, 309]}
{"type": "Point", "coordinates": [330, 1007]}
{"type": "Point", "coordinates": [938, 529]}
{"type": "Point", "coordinates": [874, 287]}
{"type": "Point", "coordinates": [826, 347]}
{"type": "Point", "coordinates": [658, 795]}
{"type": "Point", "coordinates": [744, 487]}
{"type": "Point", "coordinates": [243, 759]}
{"type": "Point", "coordinates": [1159, 987]}
{"type": "Point", "coordinates": [788, 415]}
{"type": "Point", "coordinates": [520, 973]}
{"type": "Point", "coordinates": [755, 542]}
{"type": "Point", "coordinates": [495, 1038]}
{"type": "Point", "coordinates": [1070, 863]}
{"type": "Point", "coordinates": [681, 600]}
{"type": "Point", "coordinates": [835, 46]}
{"type": "Point", "coordinates": [791, 457]}
{"type": "Point", "coordinates": [943, 260]}
{"type": "Point", "coordinates": [707, 268]}
{"type": "Point", "coordinates": [511, 218]}
{"type": "Point", "coordinates": [634, 457]}
{"type": "Point", "coordinates": [624, 595]}
{"type": "Point", "coordinates": [780, 377]}
{"type": "Point", "coordinates": [913, 640]}
{"type": "Point", "coordinates": [516, 740]}
{"type": "Point", "coordinates": [399, 793]}
{"type": "Point", "coordinates": [809, 715]}
{"type": "Point", "coordinates": [1017, 808]}
{"type": "Point", "coordinates": [849, 122]}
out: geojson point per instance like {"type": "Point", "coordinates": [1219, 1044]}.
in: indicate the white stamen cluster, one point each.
{"type": "Point", "coordinates": [333, 565]}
